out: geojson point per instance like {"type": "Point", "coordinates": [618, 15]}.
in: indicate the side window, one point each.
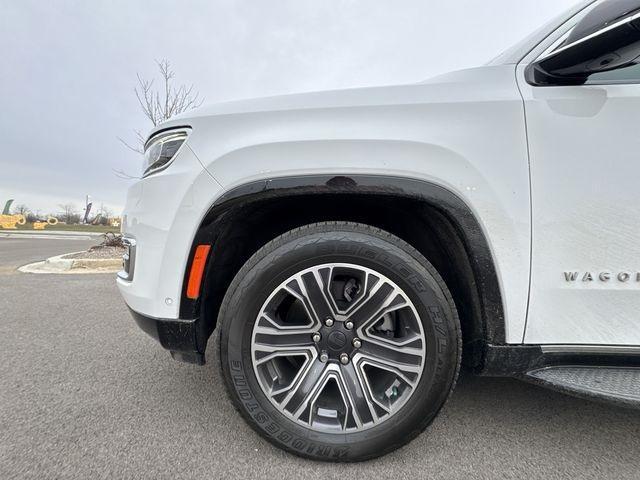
{"type": "Point", "coordinates": [630, 74]}
{"type": "Point", "coordinates": [603, 15]}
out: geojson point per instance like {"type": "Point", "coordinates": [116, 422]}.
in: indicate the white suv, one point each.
{"type": "Point", "coordinates": [353, 248]}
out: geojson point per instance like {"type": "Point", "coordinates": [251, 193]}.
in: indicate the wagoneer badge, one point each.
{"type": "Point", "coordinates": [602, 276]}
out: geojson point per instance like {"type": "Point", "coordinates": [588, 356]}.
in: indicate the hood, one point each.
{"type": "Point", "coordinates": [453, 86]}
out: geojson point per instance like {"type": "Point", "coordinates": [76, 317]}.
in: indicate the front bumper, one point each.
{"type": "Point", "coordinates": [180, 337]}
{"type": "Point", "coordinates": [161, 217]}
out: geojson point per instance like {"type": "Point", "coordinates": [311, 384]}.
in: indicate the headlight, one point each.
{"type": "Point", "coordinates": [161, 149]}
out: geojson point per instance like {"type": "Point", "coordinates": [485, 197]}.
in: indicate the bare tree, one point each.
{"type": "Point", "coordinates": [105, 211]}
{"type": "Point", "coordinates": [102, 215]}
{"type": "Point", "coordinates": [69, 213]}
{"type": "Point", "coordinates": [21, 209]}
{"type": "Point", "coordinates": [161, 104]}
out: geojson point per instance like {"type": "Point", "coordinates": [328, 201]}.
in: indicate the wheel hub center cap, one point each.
{"type": "Point", "coordinates": [336, 341]}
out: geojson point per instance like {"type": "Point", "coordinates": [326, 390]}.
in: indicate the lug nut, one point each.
{"type": "Point", "coordinates": [348, 324]}
{"type": "Point", "coordinates": [316, 337]}
{"type": "Point", "coordinates": [344, 358]}
{"type": "Point", "coordinates": [329, 322]}
{"type": "Point", "coordinates": [324, 357]}
{"type": "Point", "coordinates": [357, 343]}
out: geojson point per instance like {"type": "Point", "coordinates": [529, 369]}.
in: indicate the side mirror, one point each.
{"type": "Point", "coordinates": [616, 45]}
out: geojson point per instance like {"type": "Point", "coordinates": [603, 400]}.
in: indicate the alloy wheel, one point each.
{"type": "Point", "coordinates": [338, 348]}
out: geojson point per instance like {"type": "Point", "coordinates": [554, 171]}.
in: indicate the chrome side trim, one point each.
{"type": "Point", "coordinates": [604, 349]}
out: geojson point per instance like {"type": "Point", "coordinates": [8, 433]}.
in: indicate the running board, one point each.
{"type": "Point", "coordinates": [619, 385]}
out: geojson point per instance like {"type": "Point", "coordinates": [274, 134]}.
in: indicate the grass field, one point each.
{"type": "Point", "coordinates": [75, 228]}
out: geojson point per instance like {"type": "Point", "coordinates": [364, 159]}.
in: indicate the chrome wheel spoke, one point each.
{"type": "Point", "coordinates": [280, 369]}
{"type": "Point", "coordinates": [383, 298]}
{"type": "Point", "coordinates": [404, 360]}
{"type": "Point", "coordinates": [273, 340]}
{"type": "Point", "coordinates": [313, 289]}
{"type": "Point", "coordinates": [299, 396]}
{"type": "Point", "coordinates": [358, 395]}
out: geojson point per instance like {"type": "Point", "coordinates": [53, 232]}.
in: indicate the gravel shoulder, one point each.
{"type": "Point", "coordinates": [97, 252]}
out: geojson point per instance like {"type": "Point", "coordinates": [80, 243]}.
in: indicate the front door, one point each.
{"type": "Point", "coordinates": [584, 146]}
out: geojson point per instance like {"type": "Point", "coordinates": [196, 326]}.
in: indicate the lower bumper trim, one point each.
{"type": "Point", "coordinates": [176, 335]}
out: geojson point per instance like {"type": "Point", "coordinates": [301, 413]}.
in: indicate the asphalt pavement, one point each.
{"type": "Point", "coordinates": [85, 394]}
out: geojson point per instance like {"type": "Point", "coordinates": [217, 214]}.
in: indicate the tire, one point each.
{"type": "Point", "coordinates": [370, 405]}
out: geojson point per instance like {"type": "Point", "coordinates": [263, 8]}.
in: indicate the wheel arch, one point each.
{"type": "Point", "coordinates": [227, 226]}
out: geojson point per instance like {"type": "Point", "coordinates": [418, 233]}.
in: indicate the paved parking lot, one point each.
{"type": "Point", "coordinates": [85, 394]}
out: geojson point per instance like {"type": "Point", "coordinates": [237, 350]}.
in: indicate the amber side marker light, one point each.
{"type": "Point", "coordinates": [197, 270]}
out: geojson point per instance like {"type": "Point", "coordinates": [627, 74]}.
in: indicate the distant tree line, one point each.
{"type": "Point", "coordinates": [67, 213]}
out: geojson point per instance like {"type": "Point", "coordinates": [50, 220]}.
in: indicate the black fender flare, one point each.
{"type": "Point", "coordinates": [447, 202]}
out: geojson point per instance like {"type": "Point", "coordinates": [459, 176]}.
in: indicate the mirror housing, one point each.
{"type": "Point", "coordinates": [615, 46]}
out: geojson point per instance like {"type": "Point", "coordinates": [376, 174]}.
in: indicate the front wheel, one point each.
{"type": "Point", "coordinates": [339, 341]}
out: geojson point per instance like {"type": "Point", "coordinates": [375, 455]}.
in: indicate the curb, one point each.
{"type": "Point", "coordinates": [58, 264]}
{"type": "Point", "coordinates": [44, 233]}
{"type": "Point", "coordinates": [49, 236]}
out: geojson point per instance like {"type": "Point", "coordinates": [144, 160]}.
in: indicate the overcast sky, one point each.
{"type": "Point", "coordinates": [68, 68]}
